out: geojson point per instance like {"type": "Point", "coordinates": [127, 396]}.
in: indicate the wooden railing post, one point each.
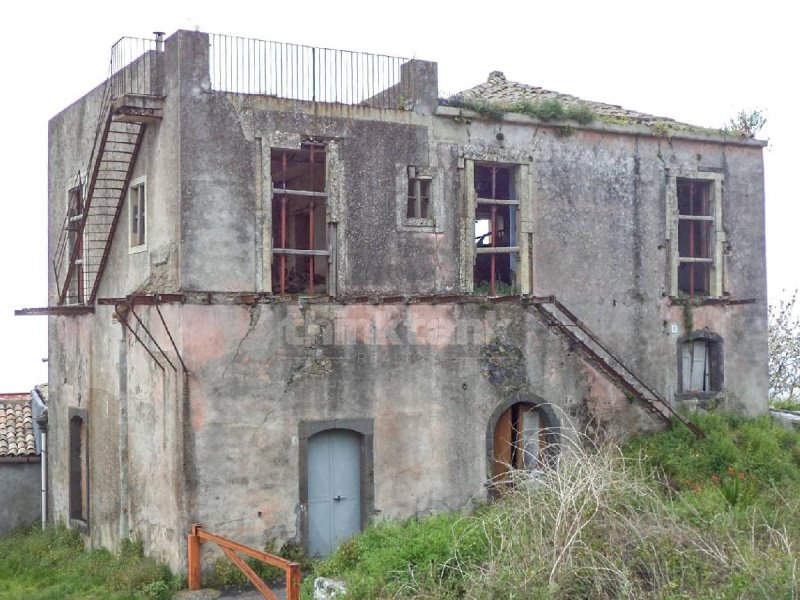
{"type": "Point", "coordinates": [194, 559]}
{"type": "Point", "coordinates": [293, 582]}
{"type": "Point", "coordinates": [230, 548]}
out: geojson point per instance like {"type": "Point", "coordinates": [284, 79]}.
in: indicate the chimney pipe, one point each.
{"type": "Point", "coordinates": [159, 41]}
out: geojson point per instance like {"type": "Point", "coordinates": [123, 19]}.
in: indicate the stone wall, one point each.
{"type": "Point", "coordinates": [20, 493]}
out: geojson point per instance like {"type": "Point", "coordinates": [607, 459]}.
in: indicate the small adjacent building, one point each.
{"type": "Point", "coordinates": [20, 458]}
{"type": "Point", "coordinates": [293, 291]}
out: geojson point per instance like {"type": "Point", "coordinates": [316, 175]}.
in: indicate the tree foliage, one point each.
{"type": "Point", "coordinates": [784, 351]}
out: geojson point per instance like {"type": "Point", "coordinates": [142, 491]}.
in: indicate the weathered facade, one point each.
{"type": "Point", "coordinates": [315, 306]}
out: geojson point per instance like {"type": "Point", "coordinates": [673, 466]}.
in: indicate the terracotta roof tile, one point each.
{"type": "Point", "coordinates": [497, 89]}
{"type": "Point", "coordinates": [16, 426]}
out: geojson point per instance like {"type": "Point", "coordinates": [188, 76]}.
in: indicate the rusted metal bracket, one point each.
{"type": "Point", "coordinates": [122, 317]}
{"type": "Point", "coordinates": [148, 299]}
{"type": "Point", "coordinates": [152, 337]}
{"type": "Point", "coordinates": [68, 310]}
{"type": "Point", "coordinates": [122, 311]}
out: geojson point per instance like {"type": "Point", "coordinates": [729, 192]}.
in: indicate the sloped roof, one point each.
{"type": "Point", "coordinates": [16, 426]}
{"type": "Point", "coordinates": [497, 89]}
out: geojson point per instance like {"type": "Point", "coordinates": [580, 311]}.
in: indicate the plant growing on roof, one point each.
{"type": "Point", "coordinates": [746, 123]}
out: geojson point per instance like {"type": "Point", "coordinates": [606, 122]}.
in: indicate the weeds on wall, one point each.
{"type": "Point", "coordinates": [550, 109]}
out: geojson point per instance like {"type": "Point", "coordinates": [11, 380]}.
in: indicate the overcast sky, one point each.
{"type": "Point", "coordinates": [699, 62]}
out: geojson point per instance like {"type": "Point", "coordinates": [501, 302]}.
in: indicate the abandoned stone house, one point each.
{"type": "Point", "coordinates": [291, 291]}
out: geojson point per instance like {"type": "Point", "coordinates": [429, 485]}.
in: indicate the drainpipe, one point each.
{"type": "Point", "coordinates": [41, 420]}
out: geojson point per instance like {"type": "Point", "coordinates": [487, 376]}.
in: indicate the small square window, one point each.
{"type": "Point", "coordinates": [137, 199]}
{"type": "Point", "coordinates": [419, 195]}
{"type": "Point", "coordinates": [416, 203]}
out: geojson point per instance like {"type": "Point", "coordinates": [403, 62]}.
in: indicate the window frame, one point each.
{"type": "Point", "coordinates": [715, 367]}
{"type": "Point", "coordinates": [407, 173]}
{"type": "Point", "coordinates": [279, 196]}
{"type": "Point", "coordinates": [716, 243]}
{"type": "Point", "coordinates": [140, 208]}
{"type": "Point", "coordinates": [522, 165]}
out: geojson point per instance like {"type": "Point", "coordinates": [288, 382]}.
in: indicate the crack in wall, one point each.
{"type": "Point", "coordinates": [255, 317]}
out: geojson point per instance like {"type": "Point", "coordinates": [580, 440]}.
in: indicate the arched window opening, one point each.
{"type": "Point", "coordinates": [78, 476]}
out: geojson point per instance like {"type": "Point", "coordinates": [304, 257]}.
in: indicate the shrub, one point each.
{"type": "Point", "coordinates": [52, 563]}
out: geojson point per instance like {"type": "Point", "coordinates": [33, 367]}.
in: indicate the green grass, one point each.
{"type": "Point", "coordinates": [392, 556]}
{"type": "Point", "coordinates": [668, 516]}
{"type": "Point", "coordinates": [790, 405]}
{"type": "Point", "coordinates": [53, 565]}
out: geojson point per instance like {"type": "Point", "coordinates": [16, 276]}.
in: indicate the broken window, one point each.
{"type": "Point", "coordinates": [75, 243]}
{"type": "Point", "coordinates": [701, 365]}
{"type": "Point", "coordinates": [496, 216]}
{"type": "Point", "coordinates": [301, 262]}
{"type": "Point", "coordinates": [419, 195]}
{"type": "Point", "coordinates": [78, 475]}
{"type": "Point", "coordinates": [695, 233]}
{"type": "Point", "coordinates": [137, 200]}
{"type": "Point", "coordinates": [518, 440]}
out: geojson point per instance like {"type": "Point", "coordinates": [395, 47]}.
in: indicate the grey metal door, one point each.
{"type": "Point", "coordinates": [334, 489]}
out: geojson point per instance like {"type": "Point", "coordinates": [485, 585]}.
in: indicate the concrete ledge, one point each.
{"type": "Point", "coordinates": [136, 108]}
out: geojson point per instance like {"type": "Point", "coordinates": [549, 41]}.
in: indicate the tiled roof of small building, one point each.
{"type": "Point", "coordinates": [16, 426]}
{"type": "Point", "coordinates": [499, 90]}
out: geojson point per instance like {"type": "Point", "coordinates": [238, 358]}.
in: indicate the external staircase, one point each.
{"type": "Point", "coordinates": [132, 98]}
{"type": "Point", "coordinates": [582, 340]}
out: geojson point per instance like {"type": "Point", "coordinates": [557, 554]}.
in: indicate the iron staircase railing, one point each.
{"type": "Point", "coordinates": [564, 323]}
{"type": "Point", "coordinates": [95, 206]}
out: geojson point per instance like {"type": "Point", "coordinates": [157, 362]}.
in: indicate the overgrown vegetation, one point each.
{"type": "Point", "coordinates": [52, 564]}
{"type": "Point", "coordinates": [549, 109]}
{"type": "Point", "coordinates": [747, 123]}
{"type": "Point", "coordinates": [668, 516]}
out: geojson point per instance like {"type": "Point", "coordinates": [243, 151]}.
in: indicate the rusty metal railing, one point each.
{"type": "Point", "coordinates": [137, 67]}
{"type": "Point", "coordinates": [198, 536]}
{"type": "Point", "coordinates": [554, 314]}
{"type": "Point", "coordinates": [296, 72]}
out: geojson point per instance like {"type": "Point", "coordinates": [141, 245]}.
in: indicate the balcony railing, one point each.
{"type": "Point", "coordinates": [137, 67]}
{"type": "Point", "coordinates": [250, 66]}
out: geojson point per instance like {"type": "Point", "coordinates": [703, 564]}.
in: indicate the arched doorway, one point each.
{"type": "Point", "coordinates": [333, 489]}
{"type": "Point", "coordinates": [518, 440]}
